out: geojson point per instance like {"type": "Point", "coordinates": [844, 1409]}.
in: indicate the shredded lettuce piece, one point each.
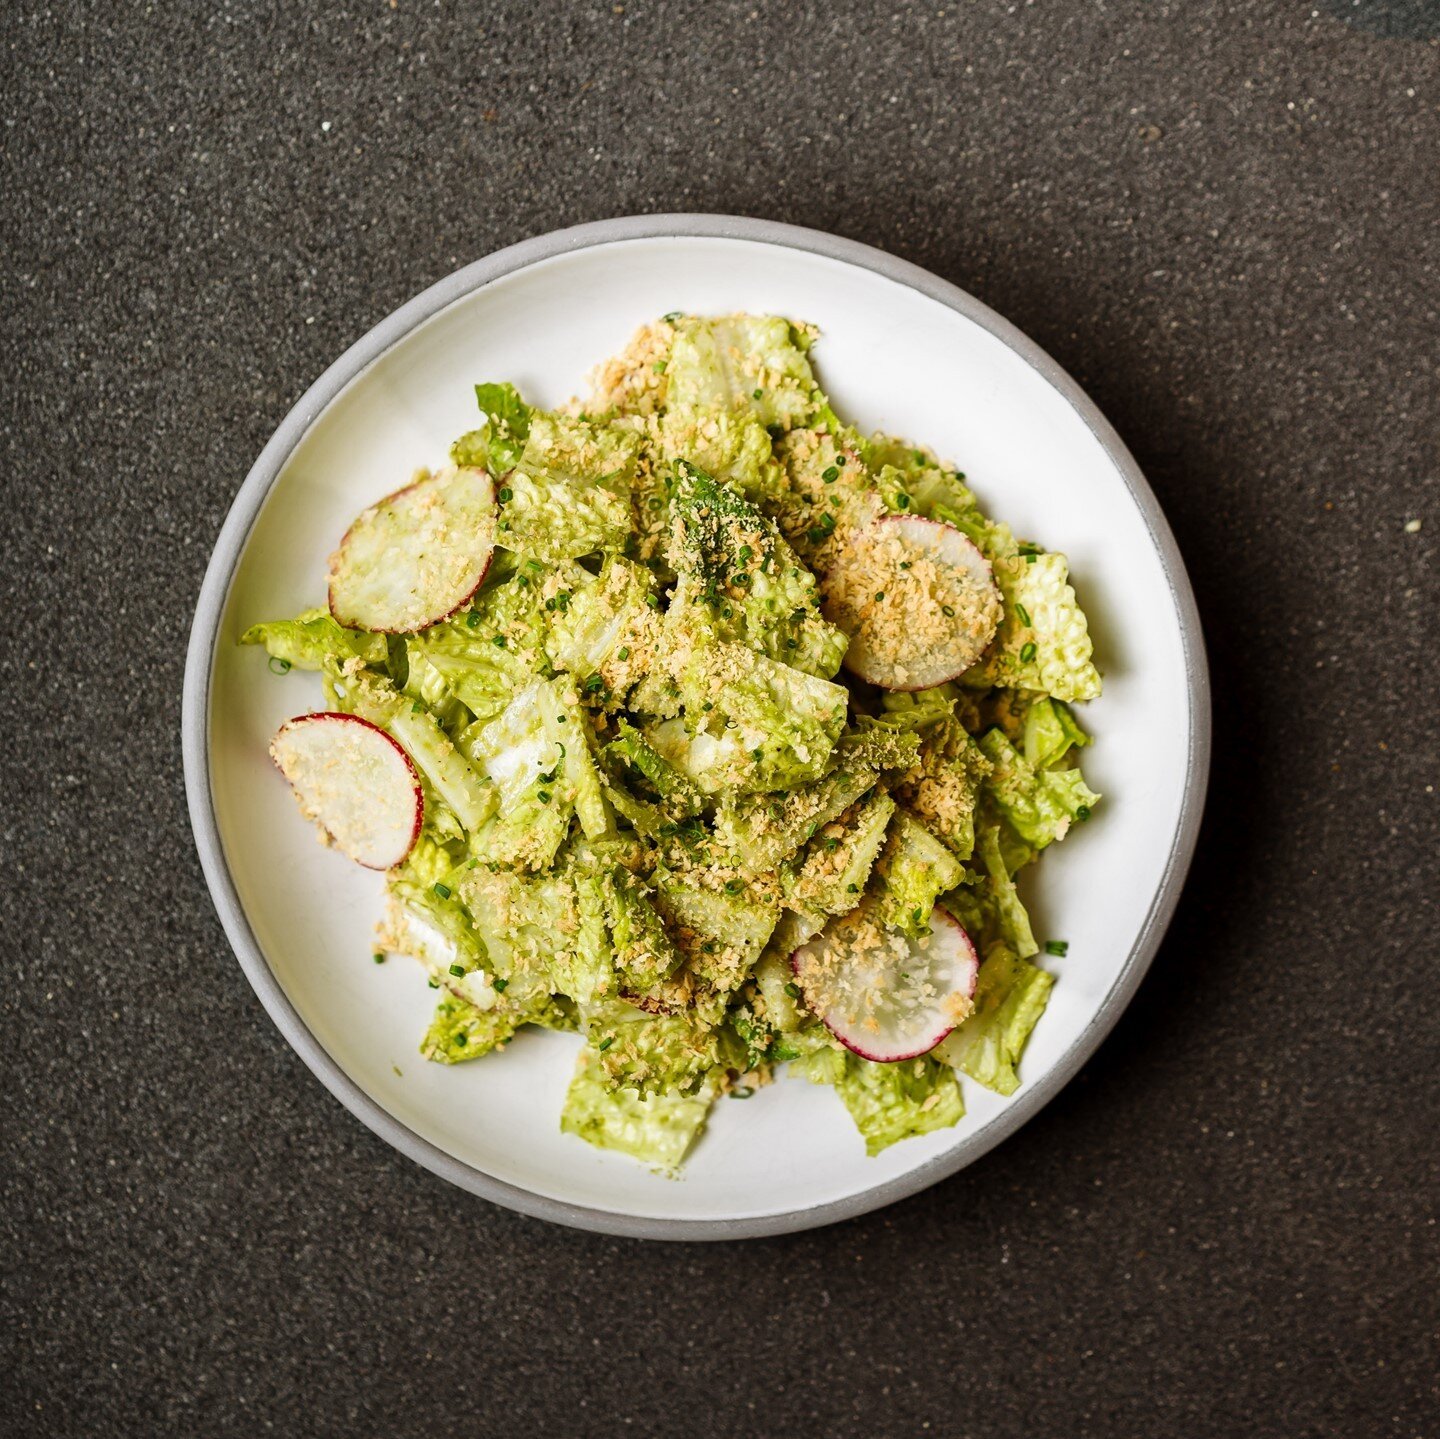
{"type": "Point", "coordinates": [1039, 805]}
{"type": "Point", "coordinates": [498, 444]}
{"type": "Point", "coordinates": [1049, 732]}
{"type": "Point", "coordinates": [1010, 997]}
{"type": "Point", "coordinates": [311, 638]}
{"type": "Point", "coordinates": [650, 1053]}
{"type": "Point", "coordinates": [1044, 642]}
{"type": "Point", "coordinates": [658, 1130]}
{"type": "Point", "coordinates": [891, 1102]}
{"type": "Point", "coordinates": [749, 363]}
{"type": "Point", "coordinates": [913, 871]}
{"type": "Point", "coordinates": [739, 581]}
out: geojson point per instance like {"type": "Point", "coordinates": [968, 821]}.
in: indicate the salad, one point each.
{"type": "Point", "coordinates": [691, 720]}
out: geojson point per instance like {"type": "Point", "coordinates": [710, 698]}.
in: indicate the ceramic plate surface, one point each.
{"type": "Point", "coordinates": [900, 351]}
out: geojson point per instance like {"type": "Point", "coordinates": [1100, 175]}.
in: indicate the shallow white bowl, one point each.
{"type": "Point", "coordinates": [900, 351]}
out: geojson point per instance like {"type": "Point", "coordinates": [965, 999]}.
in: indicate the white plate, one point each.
{"type": "Point", "coordinates": [900, 351]}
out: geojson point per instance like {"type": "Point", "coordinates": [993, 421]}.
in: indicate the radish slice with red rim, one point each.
{"type": "Point", "coordinates": [884, 996]}
{"type": "Point", "coordinates": [355, 782]}
{"type": "Point", "coordinates": [917, 598]}
{"type": "Point", "coordinates": [417, 556]}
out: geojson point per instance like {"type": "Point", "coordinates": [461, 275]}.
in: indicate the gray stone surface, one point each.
{"type": "Point", "coordinates": [1222, 216]}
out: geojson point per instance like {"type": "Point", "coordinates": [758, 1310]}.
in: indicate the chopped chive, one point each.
{"type": "Point", "coordinates": [660, 367]}
{"type": "Point", "coordinates": [756, 394]}
{"type": "Point", "coordinates": [1027, 651]}
{"type": "Point", "coordinates": [499, 985]}
{"type": "Point", "coordinates": [852, 889]}
{"type": "Point", "coordinates": [462, 1039]}
{"type": "Point", "coordinates": [1059, 947]}
{"type": "Point", "coordinates": [378, 957]}
{"type": "Point", "coordinates": [417, 708]}
{"type": "Point", "coordinates": [534, 566]}
{"type": "Point", "coordinates": [434, 984]}
{"type": "Point", "coordinates": [740, 578]}
{"type": "Point", "coordinates": [544, 796]}
{"type": "Point", "coordinates": [1083, 813]}
{"type": "Point", "coordinates": [1022, 612]}
{"type": "Point", "coordinates": [742, 1092]}
{"type": "Point", "coordinates": [879, 595]}
{"type": "Point", "coordinates": [653, 601]}
{"type": "Point", "coordinates": [498, 640]}
{"type": "Point", "coordinates": [473, 618]}
{"type": "Point", "coordinates": [817, 533]}
{"type": "Point", "coordinates": [793, 990]}
{"type": "Point", "coordinates": [506, 494]}
{"type": "Point", "coordinates": [279, 665]}
{"type": "Point", "coordinates": [758, 753]}
{"type": "Point", "coordinates": [903, 501]}
{"type": "Point", "coordinates": [904, 564]}
{"type": "Point", "coordinates": [745, 553]}
{"type": "Point", "coordinates": [949, 611]}
{"type": "Point", "coordinates": [458, 970]}
{"type": "Point", "coordinates": [606, 1043]}
{"type": "Point", "coordinates": [919, 457]}
{"type": "Point", "coordinates": [733, 886]}
{"type": "Point", "coordinates": [830, 475]}
{"type": "Point", "coordinates": [672, 316]}
{"type": "Point", "coordinates": [624, 652]}
{"type": "Point", "coordinates": [443, 890]}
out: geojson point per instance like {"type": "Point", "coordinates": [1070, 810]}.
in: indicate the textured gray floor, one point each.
{"type": "Point", "coordinates": [1223, 218]}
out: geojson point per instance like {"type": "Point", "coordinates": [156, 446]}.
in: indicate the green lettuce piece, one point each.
{"type": "Point", "coordinates": [732, 447]}
{"type": "Point", "coordinates": [722, 934]}
{"type": "Point", "coordinates": [582, 452]}
{"type": "Point", "coordinates": [521, 754]}
{"type": "Point", "coordinates": [749, 363]}
{"type": "Point", "coordinates": [752, 723]}
{"type": "Point", "coordinates": [608, 627]}
{"type": "Point", "coordinates": [1010, 996]}
{"type": "Point", "coordinates": [761, 832]}
{"type": "Point", "coordinates": [926, 483]}
{"type": "Point", "coordinates": [891, 1102]}
{"type": "Point", "coordinates": [651, 1053]}
{"type": "Point", "coordinates": [498, 444]}
{"type": "Point", "coordinates": [644, 952]}
{"type": "Point", "coordinates": [459, 1031]}
{"type": "Point", "coordinates": [831, 877]}
{"type": "Point", "coordinates": [875, 746]}
{"type": "Point", "coordinates": [943, 787]}
{"type": "Point", "coordinates": [1039, 805]}
{"type": "Point", "coordinates": [1049, 732]}
{"type": "Point", "coordinates": [498, 646]}
{"type": "Point", "coordinates": [658, 1130]}
{"type": "Point", "coordinates": [1043, 643]}
{"type": "Point", "coordinates": [552, 520]}
{"type": "Point", "coordinates": [739, 581]}
{"type": "Point", "coordinates": [307, 641]}
{"type": "Point", "coordinates": [913, 871]}
{"type": "Point", "coordinates": [988, 905]}
{"type": "Point", "coordinates": [680, 797]}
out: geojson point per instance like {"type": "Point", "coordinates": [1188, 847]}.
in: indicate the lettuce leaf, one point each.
{"type": "Point", "coordinates": [891, 1102]}
{"type": "Point", "coordinates": [1010, 997]}
{"type": "Point", "coordinates": [657, 1130]}
{"type": "Point", "coordinates": [1039, 805]}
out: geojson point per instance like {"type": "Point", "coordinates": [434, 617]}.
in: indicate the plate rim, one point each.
{"type": "Point", "coordinates": [203, 647]}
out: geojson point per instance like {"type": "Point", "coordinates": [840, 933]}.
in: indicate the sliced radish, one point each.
{"type": "Point", "coordinates": [917, 598]}
{"type": "Point", "coordinates": [355, 782]}
{"type": "Point", "coordinates": [883, 995]}
{"type": "Point", "coordinates": [417, 556]}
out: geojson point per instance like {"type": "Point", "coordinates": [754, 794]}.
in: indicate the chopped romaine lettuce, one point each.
{"type": "Point", "coordinates": [1010, 997]}
{"type": "Point", "coordinates": [891, 1102]}
{"type": "Point", "coordinates": [657, 1130]}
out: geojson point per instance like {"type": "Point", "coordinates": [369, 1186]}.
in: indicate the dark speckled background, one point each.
{"type": "Point", "coordinates": [1224, 218]}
